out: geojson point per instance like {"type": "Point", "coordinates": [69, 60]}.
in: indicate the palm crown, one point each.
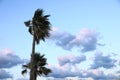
{"type": "Point", "coordinates": [39, 65]}
{"type": "Point", "coordinates": [39, 26]}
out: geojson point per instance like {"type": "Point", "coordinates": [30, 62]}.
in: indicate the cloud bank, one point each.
{"type": "Point", "coordinates": [68, 67]}
{"type": "Point", "coordinates": [86, 40]}
{"type": "Point", "coordinates": [65, 71]}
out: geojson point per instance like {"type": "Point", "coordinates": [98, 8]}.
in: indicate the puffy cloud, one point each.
{"type": "Point", "coordinates": [71, 59]}
{"type": "Point", "coordinates": [62, 39]}
{"type": "Point", "coordinates": [86, 40]}
{"type": "Point", "coordinates": [67, 68]}
{"type": "Point", "coordinates": [4, 74]}
{"type": "Point", "coordinates": [62, 71]}
{"type": "Point", "coordinates": [103, 61]}
{"type": "Point", "coordinates": [8, 59]}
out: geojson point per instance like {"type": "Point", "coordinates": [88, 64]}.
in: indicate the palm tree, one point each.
{"type": "Point", "coordinates": [39, 67]}
{"type": "Point", "coordinates": [39, 28]}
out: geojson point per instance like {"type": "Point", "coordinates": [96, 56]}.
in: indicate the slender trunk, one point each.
{"type": "Point", "coordinates": [32, 70]}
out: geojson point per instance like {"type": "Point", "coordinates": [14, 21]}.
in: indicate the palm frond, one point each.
{"type": "Point", "coordinates": [24, 71]}
{"type": "Point", "coordinates": [25, 66]}
{"type": "Point", "coordinates": [45, 70]}
{"type": "Point", "coordinates": [30, 30]}
{"type": "Point", "coordinates": [27, 23]}
{"type": "Point", "coordinates": [47, 16]}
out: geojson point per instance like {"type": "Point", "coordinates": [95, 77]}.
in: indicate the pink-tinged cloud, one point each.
{"type": "Point", "coordinates": [71, 59]}
{"type": "Point", "coordinates": [86, 40]}
{"type": "Point", "coordinates": [8, 59]}
{"type": "Point", "coordinates": [67, 68]}
{"type": "Point", "coordinates": [62, 72]}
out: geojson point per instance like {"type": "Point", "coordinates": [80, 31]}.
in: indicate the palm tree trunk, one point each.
{"type": "Point", "coordinates": [32, 70]}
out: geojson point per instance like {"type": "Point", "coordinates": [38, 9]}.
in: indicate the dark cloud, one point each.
{"type": "Point", "coordinates": [85, 41]}
{"type": "Point", "coordinates": [4, 74]}
{"type": "Point", "coordinates": [71, 59]}
{"type": "Point", "coordinates": [103, 61]}
{"type": "Point", "coordinates": [8, 59]}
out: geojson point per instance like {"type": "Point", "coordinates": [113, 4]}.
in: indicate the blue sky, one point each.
{"type": "Point", "coordinates": [84, 41]}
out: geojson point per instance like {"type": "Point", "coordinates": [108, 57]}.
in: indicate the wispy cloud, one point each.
{"type": "Point", "coordinates": [86, 40]}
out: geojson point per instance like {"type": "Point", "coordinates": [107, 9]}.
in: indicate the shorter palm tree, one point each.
{"type": "Point", "coordinates": [39, 66]}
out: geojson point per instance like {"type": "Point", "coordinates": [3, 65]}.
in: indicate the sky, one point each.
{"type": "Point", "coordinates": [84, 40]}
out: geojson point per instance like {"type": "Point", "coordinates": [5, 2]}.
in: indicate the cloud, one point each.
{"type": "Point", "coordinates": [99, 75]}
{"type": "Point", "coordinates": [8, 59]}
{"type": "Point", "coordinates": [22, 79]}
{"type": "Point", "coordinates": [71, 59]}
{"type": "Point", "coordinates": [63, 72]}
{"type": "Point", "coordinates": [86, 40]}
{"type": "Point", "coordinates": [62, 39]}
{"type": "Point", "coordinates": [67, 68]}
{"type": "Point", "coordinates": [102, 61]}
{"type": "Point", "coordinates": [4, 74]}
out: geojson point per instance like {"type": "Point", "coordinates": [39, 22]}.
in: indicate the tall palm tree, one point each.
{"type": "Point", "coordinates": [39, 28]}
{"type": "Point", "coordinates": [40, 69]}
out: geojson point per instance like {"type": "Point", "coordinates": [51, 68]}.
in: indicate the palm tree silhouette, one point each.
{"type": "Point", "coordinates": [39, 28]}
{"type": "Point", "coordinates": [39, 66]}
